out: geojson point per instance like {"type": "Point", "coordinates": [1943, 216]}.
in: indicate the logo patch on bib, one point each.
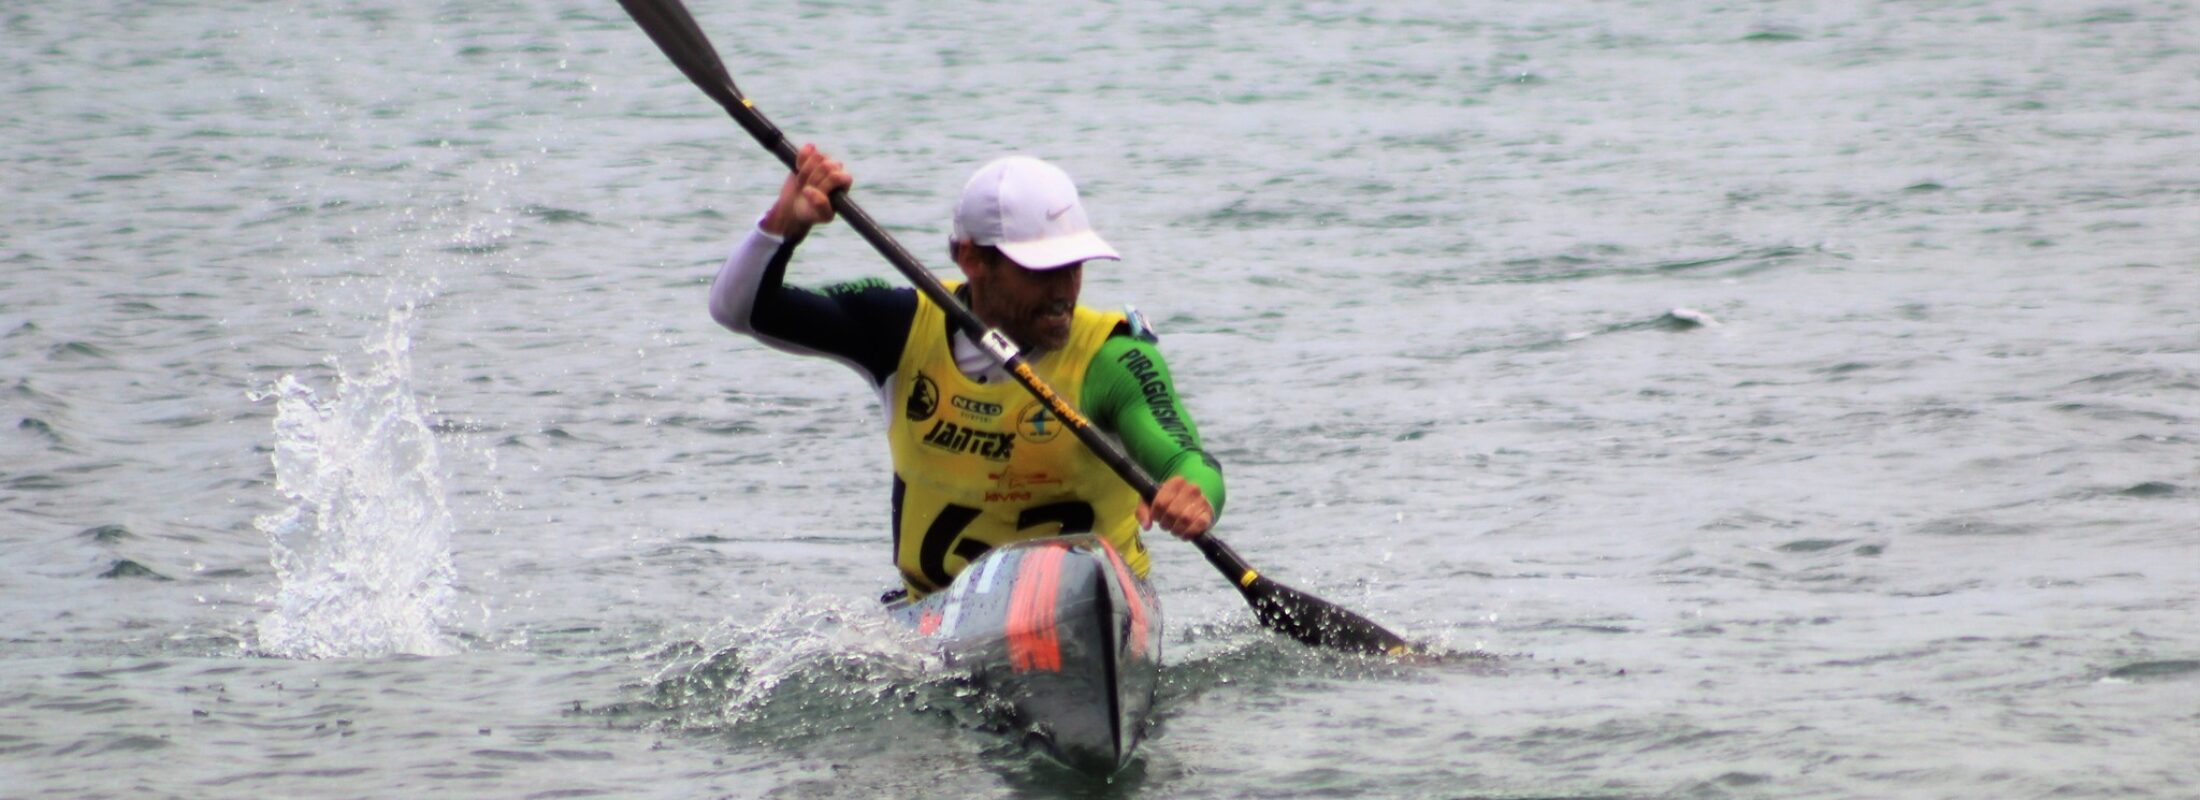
{"type": "Point", "coordinates": [924, 399]}
{"type": "Point", "coordinates": [1037, 424]}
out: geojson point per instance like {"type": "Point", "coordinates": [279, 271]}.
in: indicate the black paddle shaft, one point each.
{"type": "Point", "coordinates": [1284, 609]}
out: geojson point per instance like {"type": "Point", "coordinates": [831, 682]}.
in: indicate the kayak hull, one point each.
{"type": "Point", "coordinates": [1063, 635]}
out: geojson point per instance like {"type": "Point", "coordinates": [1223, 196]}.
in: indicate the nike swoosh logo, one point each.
{"type": "Point", "coordinates": [1056, 213]}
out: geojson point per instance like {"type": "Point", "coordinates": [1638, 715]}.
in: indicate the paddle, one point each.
{"type": "Point", "coordinates": [1286, 610]}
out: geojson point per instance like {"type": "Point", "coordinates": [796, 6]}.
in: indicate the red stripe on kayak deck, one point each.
{"type": "Point", "coordinates": [1130, 593]}
{"type": "Point", "coordinates": [1033, 642]}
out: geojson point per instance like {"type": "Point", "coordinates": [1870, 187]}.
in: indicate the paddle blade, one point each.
{"type": "Point", "coordinates": [1319, 622]}
{"type": "Point", "coordinates": [1299, 615]}
{"type": "Point", "coordinates": [674, 30]}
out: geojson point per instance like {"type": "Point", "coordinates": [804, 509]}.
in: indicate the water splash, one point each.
{"type": "Point", "coordinates": [362, 555]}
{"type": "Point", "coordinates": [810, 671]}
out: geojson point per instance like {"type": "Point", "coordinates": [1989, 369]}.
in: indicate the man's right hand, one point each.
{"type": "Point", "coordinates": [803, 200]}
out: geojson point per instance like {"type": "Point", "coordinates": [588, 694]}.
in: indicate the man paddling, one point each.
{"type": "Point", "coordinates": [977, 462]}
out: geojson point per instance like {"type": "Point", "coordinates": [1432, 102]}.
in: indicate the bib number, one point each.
{"type": "Point", "coordinates": [945, 534]}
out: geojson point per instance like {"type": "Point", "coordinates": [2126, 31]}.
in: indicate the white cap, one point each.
{"type": "Point", "coordinates": [1029, 209]}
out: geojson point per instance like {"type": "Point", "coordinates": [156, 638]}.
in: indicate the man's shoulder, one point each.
{"type": "Point", "coordinates": [873, 298]}
{"type": "Point", "coordinates": [864, 286]}
{"type": "Point", "coordinates": [1130, 331]}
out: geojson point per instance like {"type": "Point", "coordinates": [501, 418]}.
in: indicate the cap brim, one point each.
{"type": "Point", "coordinates": [1059, 251]}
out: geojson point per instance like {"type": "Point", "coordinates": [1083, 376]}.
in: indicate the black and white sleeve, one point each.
{"type": "Point", "coordinates": [859, 323]}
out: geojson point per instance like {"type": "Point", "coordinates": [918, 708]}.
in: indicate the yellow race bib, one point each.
{"type": "Point", "coordinates": [979, 465]}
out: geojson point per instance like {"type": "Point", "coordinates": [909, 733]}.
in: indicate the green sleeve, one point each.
{"type": "Point", "coordinates": [1128, 392]}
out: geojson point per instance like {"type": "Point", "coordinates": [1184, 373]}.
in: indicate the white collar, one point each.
{"type": "Point", "coordinates": [977, 364]}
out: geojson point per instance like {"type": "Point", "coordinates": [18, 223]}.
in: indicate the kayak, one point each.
{"type": "Point", "coordinates": [1063, 635]}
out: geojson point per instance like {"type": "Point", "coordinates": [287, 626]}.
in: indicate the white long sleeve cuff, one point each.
{"type": "Point", "coordinates": [733, 292]}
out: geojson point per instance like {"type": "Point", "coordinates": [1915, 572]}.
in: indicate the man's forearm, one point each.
{"type": "Point", "coordinates": [743, 277]}
{"type": "Point", "coordinates": [1132, 393]}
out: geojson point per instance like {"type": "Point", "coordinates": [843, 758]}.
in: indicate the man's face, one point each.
{"type": "Point", "coordinates": [1032, 306]}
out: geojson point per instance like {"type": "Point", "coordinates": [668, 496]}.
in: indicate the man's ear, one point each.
{"type": "Point", "coordinates": [966, 256]}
